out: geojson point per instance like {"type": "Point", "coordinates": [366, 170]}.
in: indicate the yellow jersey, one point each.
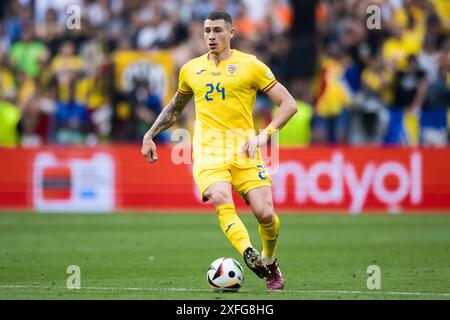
{"type": "Point", "coordinates": [224, 98]}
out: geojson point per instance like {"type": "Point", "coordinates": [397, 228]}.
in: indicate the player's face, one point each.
{"type": "Point", "coordinates": [217, 34]}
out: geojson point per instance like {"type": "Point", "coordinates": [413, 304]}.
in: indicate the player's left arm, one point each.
{"type": "Point", "coordinates": [288, 107]}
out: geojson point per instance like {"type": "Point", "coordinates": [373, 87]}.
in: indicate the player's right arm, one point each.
{"type": "Point", "coordinates": [165, 120]}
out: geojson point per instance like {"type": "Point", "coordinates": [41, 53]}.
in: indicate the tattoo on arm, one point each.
{"type": "Point", "coordinates": [170, 114]}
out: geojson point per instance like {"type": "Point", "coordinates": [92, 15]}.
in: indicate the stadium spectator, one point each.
{"type": "Point", "coordinates": [280, 16]}
{"type": "Point", "coordinates": [9, 113]}
{"type": "Point", "coordinates": [70, 123]}
{"type": "Point", "coordinates": [333, 99]}
{"type": "Point", "coordinates": [28, 54]}
{"type": "Point", "coordinates": [408, 31]}
{"type": "Point", "coordinates": [410, 91]}
{"type": "Point", "coordinates": [157, 31]}
{"type": "Point", "coordinates": [95, 96]}
{"type": "Point", "coordinates": [13, 22]}
{"type": "Point", "coordinates": [439, 91]}
{"type": "Point", "coordinates": [245, 26]}
{"type": "Point", "coordinates": [370, 115]}
{"type": "Point", "coordinates": [147, 105]}
{"type": "Point", "coordinates": [7, 80]}
{"type": "Point", "coordinates": [435, 121]}
{"type": "Point", "coordinates": [50, 31]}
{"type": "Point", "coordinates": [410, 87]}
{"type": "Point", "coordinates": [27, 102]}
{"type": "Point", "coordinates": [99, 13]}
{"type": "Point", "coordinates": [65, 67]}
{"type": "Point", "coordinates": [9, 120]}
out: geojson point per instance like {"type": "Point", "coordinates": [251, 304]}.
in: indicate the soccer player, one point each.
{"type": "Point", "coordinates": [224, 83]}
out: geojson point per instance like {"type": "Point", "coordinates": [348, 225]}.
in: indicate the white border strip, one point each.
{"type": "Point", "coordinates": [393, 293]}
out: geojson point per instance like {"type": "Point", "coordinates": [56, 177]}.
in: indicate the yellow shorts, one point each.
{"type": "Point", "coordinates": [242, 178]}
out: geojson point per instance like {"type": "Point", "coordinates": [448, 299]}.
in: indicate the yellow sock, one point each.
{"type": "Point", "coordinates": [233, 227]}
{"type": "Point", "coordinates": [269, 239]}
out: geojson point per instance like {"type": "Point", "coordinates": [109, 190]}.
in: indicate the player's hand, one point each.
{"type": "Point", "coordinates": [149, 149]}
{"type": "Point", "coordinates": [251, 145]}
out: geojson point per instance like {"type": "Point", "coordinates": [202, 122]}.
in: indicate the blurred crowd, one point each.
{"type": "Point", "coordinates": [362, 72]}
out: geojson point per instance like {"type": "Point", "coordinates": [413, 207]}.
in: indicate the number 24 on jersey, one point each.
{"type": "Point", "coordinates": [211, 90]}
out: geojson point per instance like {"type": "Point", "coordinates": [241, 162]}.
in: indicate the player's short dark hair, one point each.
{"type": "Point", "coordinates": [218, 15]}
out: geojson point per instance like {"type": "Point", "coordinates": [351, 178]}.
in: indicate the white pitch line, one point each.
{"type": "Point", "coordinates": [104, 288]}
{"type": "Point", "coordinates": [376, 292]}
{"type": "Point", "coordinates": [399, 293]}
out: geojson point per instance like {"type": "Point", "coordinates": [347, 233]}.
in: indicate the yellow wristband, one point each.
{"type": "Point", "coordinates": [269, 130]}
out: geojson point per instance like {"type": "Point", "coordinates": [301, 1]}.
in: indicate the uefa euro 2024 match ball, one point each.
{"type": "Point", "coordinates": [225, 275]}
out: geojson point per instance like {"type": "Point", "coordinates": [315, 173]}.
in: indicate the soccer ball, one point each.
{"type": "Point", "coordinates": [225, 275]}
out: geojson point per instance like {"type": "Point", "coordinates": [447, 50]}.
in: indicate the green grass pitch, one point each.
{"type": "Point", "coordinates": [165, 256]}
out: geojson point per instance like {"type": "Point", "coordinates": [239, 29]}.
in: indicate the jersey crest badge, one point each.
{"type": "Point", "coordinates": [232, 68]}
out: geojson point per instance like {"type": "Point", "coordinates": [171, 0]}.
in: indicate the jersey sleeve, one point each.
{"type": "Point", "coordinates": [263, 76]}
{"type": "Point", "coordinates": [183, 86]}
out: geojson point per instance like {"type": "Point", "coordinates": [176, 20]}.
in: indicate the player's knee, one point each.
{"type": "Point", "coordinates": [265, 214]}
{"type": "Point", "coordinates": [218, 197]}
